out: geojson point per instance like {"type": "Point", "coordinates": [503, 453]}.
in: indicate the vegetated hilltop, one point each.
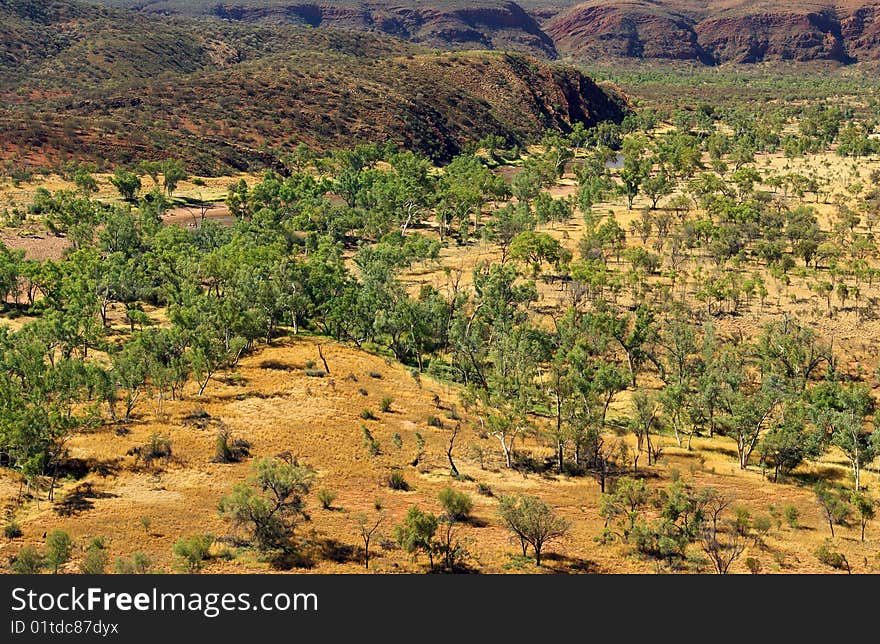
{"type": "Point", "coordinates": [456, 24]}
{"type": "Point", "coordinates": [117, 86]}
{"type": "Point", "coordinates": [738, 31]}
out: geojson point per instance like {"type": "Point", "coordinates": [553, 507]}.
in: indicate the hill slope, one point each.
{"type": "Point", "coordinates": [110, 84]}
{"type": "Point", "coordinates": [456, 24]}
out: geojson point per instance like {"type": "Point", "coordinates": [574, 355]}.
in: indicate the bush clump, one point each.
{"type": "Point", "coordinates": [397, 482]}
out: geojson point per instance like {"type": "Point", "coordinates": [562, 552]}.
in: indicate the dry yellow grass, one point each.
{"type": "Point", "coordinates": [318, 419]}
{"type": "Point", "coordinates": [271, 402]}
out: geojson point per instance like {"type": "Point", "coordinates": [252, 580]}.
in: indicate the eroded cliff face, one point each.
{"type": "Point", "coordinates": [780, 36]}
{"type": "Point", "coordinates": [743, 32]}
{"type": "Point", "coordinates": [602, 30]}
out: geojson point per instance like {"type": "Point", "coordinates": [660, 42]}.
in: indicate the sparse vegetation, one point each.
{"type": "Point", "coordinates": [688, 286]}
{"type": "Point", "coordinates": [326, 497]}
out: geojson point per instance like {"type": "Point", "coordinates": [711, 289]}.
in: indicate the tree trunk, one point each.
{"type": "Point", "coordinates": [326, 366]}
{"type": "Point", "coordinates": [449, 451]}
{"type": "Point", "coordinates": [560, 456]}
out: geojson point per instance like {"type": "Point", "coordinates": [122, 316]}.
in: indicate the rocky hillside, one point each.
{"type": "Point", "coordinates": [457, 24]}
{"type": "Point", "coordinates": [737, 31]}
{"type": "Point", "coordinates": [110, 85]}
{"type": "Point", "coordinates": [707, 31]}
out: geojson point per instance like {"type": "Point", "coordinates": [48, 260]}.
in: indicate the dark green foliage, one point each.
{"type": "Point", "coordinates": [371, 443]}
{"type": "Point", "coordinates": [229, 449]}
{"type": "Point", "coordinates": [326, 497]}
{"type": "Point", "coordinates": [828, 555]}
{"type": "Point", "coordinates": [12, 530]}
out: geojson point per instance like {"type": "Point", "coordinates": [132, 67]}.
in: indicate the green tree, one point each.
{"type": "Point", "coordinates": [532, 521]}
{"type": "Point", "coordinates": [270, 503]}
{"type": "Point", "coordinates": [95, 559]}
{"type": "Point", "coordinates": [865, 506]}
{"type": "Point", "coordinates": [416, 533]}
{"type": "Point", "coordinates": [833, 505]}
{"type": "Point", "coordinates": [173, 172]}
{"type": "Point", "coordinates": [127, 183]}
{"type": "Point", "coordinates": [635, 170]}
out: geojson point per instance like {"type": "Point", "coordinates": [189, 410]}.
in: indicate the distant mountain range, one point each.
{"type": "Point", "coordinates": [707, 31]}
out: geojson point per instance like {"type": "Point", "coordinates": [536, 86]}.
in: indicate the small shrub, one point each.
{"type": "Point", "coordinates": [326, 497]}
{"type": "Point", "coordinates": [457, 505]}
{"type": "Point", "coordinates": [366, 414]}
{"type": "Point", "coordinates": [28, 561]}
{"type": "Point", "coordinates": [310, 364]}
{"type": "Point", "coordinates": [376, 375]}
{"type": "Point", "coordinates": [397, 440]}
{"type": "Point", "coordinates": [753, 565]}
{"type": "Point", "coordinates": [159, 446]}
{"type": "Point", "coordinates": [453, 414]}
{"type": "Point", "coordinates": [791, 514]}
{"type": "Point", "coordinates": [139, 564]}
{"type": "Point", "coordinates": [12, 530]}
{"type": "Point", "coordinates": [485, 489]}
{"type": "Point", "coordinates": [385, 404]}
{"type": "Point", "coordinates": [827, 555]}
{"type": "Point", "coordinates": [192, 551]}
{"type": "Point", "coordinates": [363, 392]}
{"type": "Point", "coordinates": [95, 560]}
{"type": "Point", "coordinates": [434, 421]}
{"type": "Point", "coordinates": [397, 482]}
{"type": "Point", "coordinates": [762, 524]}
{"type": "Point", "coordinates": [230, 450]}
{"type": "Point", "coordinates": [145, 522]}
{"type": "Point", "coordinates": [775, 513]}
{"type": "Point", "coordinates": [742, 519]}
{"type": "Point", "coordinates": [370, 442]}
{"type": "Point", "coordinates": [315, 373]}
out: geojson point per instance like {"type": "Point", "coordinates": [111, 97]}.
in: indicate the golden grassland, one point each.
{"type": "Point", "coordinates": [270, 401]}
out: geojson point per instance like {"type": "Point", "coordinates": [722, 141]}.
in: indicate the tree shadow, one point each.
{"type": "Point", "coordinates": [565, 565]}
{"type": "Point", "coordinates": [79, 500]}
{"type": "Point", "coordinates": [78, 468]}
